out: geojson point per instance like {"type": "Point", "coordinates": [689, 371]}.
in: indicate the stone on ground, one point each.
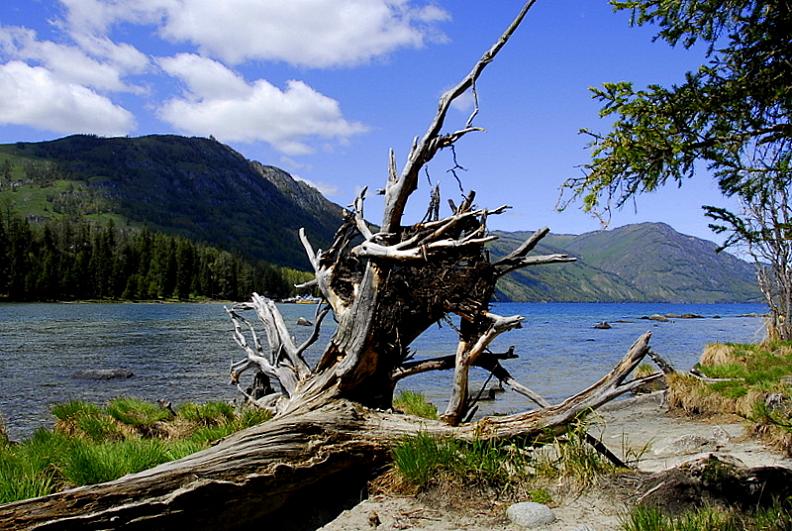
{"type": "Point", "coordinates": [530, 514]}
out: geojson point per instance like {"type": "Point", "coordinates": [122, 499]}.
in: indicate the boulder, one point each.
{"type": "Point", "coordinates": [530, 514]}
{"type": "Point", "coordinates": [103, 374]}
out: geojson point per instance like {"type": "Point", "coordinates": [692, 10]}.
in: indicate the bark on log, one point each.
{"type": "Point", "coordinates": [383, 291]}
{"type": "Point", "coordinates": [276, 472]}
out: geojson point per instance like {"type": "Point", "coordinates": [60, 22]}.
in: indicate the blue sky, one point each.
{"type": "Point", "coordinates": [323, 88]}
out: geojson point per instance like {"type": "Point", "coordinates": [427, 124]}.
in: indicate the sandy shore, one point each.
{"type": "Point", "coordinates": [639, 427]}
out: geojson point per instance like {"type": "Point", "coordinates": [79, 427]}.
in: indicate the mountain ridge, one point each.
{"type": "Point", "coordinates": [670, 267]}
{"type": "Point", "coordinates": [210, 193]}
{"type": "Point", "coordinates": [193, 187]}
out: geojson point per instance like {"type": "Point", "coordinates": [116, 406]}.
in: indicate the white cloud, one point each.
{"type": "Point", "coordinates": [72, 64]}
{"type": "Point", "coordinates": [312, 33]}
{"type": "Point", "coordinates": [205, 78]}
{"type": "Point", "coordinates": [464, 103]}
{"type": "Point", "coordinates": [220, 103]}
{"type": "Point", "coordinates": [33, 96]}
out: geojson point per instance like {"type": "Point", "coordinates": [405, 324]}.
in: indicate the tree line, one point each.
{"type": "Point", "coordinates": [80, 260]}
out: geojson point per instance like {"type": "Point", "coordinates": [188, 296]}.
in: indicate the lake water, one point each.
{"type": "Point", "coordinates": [182, 352]}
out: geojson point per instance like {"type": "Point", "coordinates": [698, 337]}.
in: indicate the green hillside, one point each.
{"type": "Point", "coordinates": [642, 262]}
{"type": "Point", "coordinates": [193, 187]}
{"type": "Point", "coordinates": [207, 192]}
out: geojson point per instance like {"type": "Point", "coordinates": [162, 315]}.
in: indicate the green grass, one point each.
{"type": "Point", "coordinates": [208, 414]}
{"type": "Point", "coordinates": [137, 413]}
{"type": "Point", "coordinates": [708, 518]}
{"type": "Point", "coordinates": [424, 460]}
{"type": "Point", "coordinates": [760, 366]}
{"type": "Point", "coordinates": [92, 444]}
{"type": "Point", "coordinates": [755, 372]}
{"type": "Point", "coordinates": [413, 403]}
{"type": "Point", "coordinates": [578, 459]}
{"type": "Point", "coordinates": [86, 420]}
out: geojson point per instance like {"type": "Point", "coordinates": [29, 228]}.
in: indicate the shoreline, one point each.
{"type": "Point", "coordinates": [644, 420]}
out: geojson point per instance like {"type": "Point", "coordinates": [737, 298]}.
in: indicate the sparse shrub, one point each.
{"type": "Point", "coordinates": [578, 459]}
{"type": "Point", "coordinates": [540, 496]}
{"type": "Point", "coordinates": [412, 403]}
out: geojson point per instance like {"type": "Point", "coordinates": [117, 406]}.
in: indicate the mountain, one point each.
{"type": "Point", "coordinates": [194, 187]}
{"type": "Point", "coordinates": [206, 191]}
{"type": "Point", "coordinates": [642, 262]}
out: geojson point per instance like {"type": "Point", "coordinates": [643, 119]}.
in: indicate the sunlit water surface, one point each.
{"type": "Point", "coordinates": [182, 352]}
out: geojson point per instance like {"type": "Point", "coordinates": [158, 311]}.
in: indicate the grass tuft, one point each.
{"type": "Point", "coordinates": [502, 466]}
{"type": "Point", "coordinates": [208, 414]}
{"type": "Point", "coordinates": [137, 413]}
{"type": "Point", "coordinates": [758, 375]}
{"type": "Point", "coordinates": [708, 518]}
{"type": "Point", "coordinates": [578, 459]}
{"type": "Point", "coordinates": [412, 403]}
{"type": "Point", "coordinates": [91, 444]}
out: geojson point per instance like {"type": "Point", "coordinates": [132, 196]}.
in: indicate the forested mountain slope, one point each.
{"type": "Point", "coordinates": [193, 187]}
{"type": "Point", "coordinates": [641, 262]}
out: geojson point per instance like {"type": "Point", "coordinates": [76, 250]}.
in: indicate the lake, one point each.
{"type": "Point", "coordinates": [182, 352]}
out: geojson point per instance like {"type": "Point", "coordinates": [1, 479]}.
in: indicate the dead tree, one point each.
{"type": "Point", "coordinates": [384, 286]}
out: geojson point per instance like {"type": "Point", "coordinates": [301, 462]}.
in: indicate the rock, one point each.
{"type": "Point", "coordinates": [103, 374]}
{"type": "Point", "coordinates": [690, 444]}
{"type": "Point", "coordinates": [302, 321]}
{"type": "Point", "coordinates": [655, 317]}
{"type": "Point", "coordinates": [530, 514]}
{"type": "Point", "coordinates": [774, 401]}
{"type": "Point", "coordinates": [691, 316]}
{"type": "Point", "coordinates": [603, 326]}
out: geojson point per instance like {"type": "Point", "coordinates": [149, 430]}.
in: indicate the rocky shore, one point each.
{"type": "Point", "coordinates": [638, 429]}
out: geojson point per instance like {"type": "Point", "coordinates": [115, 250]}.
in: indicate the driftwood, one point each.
{"type": "Point", "coordinates": [333, 424]}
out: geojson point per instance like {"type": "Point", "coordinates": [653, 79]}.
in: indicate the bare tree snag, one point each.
{"type": "Point", "coordinates": [384, 287]}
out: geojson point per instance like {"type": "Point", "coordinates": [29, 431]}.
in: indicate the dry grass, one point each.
{"type": "Point", "coordinates": [694, 397]}
{"type": "Point", "coordinates": [751, 376]}
{"type": "Point", "coordinates": [717, 354]}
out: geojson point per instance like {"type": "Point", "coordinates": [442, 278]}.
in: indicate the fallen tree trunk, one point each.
{"type": "Point", "coordinates": [332, 427]}
{"type": "Point", "coordinates": [291, 472]}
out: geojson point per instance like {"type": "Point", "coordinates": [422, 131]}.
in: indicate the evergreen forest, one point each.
{"type": "Point", "coordinates": [71, 259]}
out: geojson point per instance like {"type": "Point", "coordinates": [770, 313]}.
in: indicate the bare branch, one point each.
{"type": "Point", "coordinates": [526, 247]}
{"type": "Point", "coordinates": [375, 250]}
{"type": "Point", "coordinates": [305, 285]}
{"type": "Point", "coordinates": [398, 190]}
{"type": "Point", "coordinates": [360, 221]}
{"type": "Point", "coordinates": [537, 260]}
{"type": "Point", "coordinates": [312, 256]}
{"type": "Point", "coordinates": [314, 335]}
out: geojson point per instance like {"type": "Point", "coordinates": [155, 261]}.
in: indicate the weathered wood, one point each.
{"type": "Point", "coordinates": [385, 288]}
{"type": "Point", "coordinates": [260, 474]}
